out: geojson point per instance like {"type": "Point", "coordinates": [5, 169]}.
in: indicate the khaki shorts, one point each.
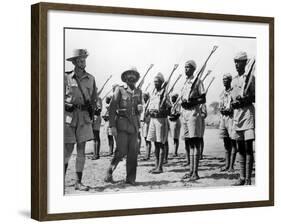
{"type": "Point", "coordinates": [226, 127]}
{"type": "Point", "coordinates": [144, 129]}
{"type": "Point", "coordinates": [158, 130]}
{"type": "Point", "coordinates": [192, 128]}
{"type": "Point", "coordinates": [175, 127]}
{"type": "Point", "coordinates": [79, 129]}
{"type": "Point", "coordinates": [244, 135]}
{"type": "Point", "coordinates": [82, 133]}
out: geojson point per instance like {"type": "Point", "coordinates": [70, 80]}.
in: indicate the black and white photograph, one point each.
{"type": "Point", "coordinates": [157, 111]}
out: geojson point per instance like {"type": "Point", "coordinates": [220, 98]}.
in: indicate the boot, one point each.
{"type": "Point", "coordinates": [249, 168]}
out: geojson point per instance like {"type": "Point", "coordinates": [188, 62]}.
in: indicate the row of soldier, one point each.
{"type": "Point", "coordinates": [130, 112]}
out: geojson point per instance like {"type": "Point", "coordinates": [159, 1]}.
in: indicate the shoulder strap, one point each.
{"type": "Point", "coordinates": [80, 88]}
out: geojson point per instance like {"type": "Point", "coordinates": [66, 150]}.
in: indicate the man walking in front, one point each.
{"type": "Point", "coordinates": [124, 112]}
{"type": "Point", "coordinates": [80, 102]}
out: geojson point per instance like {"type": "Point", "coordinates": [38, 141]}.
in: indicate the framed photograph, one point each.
{"type": "Point", "coordinates": [140, 111]}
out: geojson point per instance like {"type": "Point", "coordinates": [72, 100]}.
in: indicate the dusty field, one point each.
{"type": "Point", "coordinates": [209, 170]}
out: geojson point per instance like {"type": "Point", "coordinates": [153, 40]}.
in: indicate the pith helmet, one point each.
{"type": "Point", "coordinates": [130, 71]}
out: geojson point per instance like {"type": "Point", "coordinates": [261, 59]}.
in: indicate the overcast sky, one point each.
{"type": "Point", "coordinates": [112, 52]}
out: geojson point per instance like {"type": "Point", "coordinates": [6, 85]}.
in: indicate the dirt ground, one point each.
{"type": "Point", "coordinates": [209, 170]}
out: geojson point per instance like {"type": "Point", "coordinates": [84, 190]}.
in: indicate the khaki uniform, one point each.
{"type": "Point", "coordinates": [145, 120]}
{"type": "Point", "coordinates": [226, 121]}
{"type": "Point", "coordinates": [204, 114]}
{"type": "Point", "coordinates": [78, 124]}
{"type": "Point", "coordinates": [243, 118]}
{"type": "Point", "coordinates": [106, 119]}
{"type": "Point", "coordinates": [124, 115]}
{"type": "Point", "coordinates": [158, 127]}
{"type": "Point", "coordinates": [175, 125]}
{"type": "Point", "coordinates": [192, 118]}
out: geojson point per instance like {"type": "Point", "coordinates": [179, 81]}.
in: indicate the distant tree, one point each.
{"type": "Point", "coordinates": [214, 107]}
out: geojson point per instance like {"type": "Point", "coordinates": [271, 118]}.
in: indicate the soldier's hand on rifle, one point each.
{"type": "Point", "coordinates": [187, 104]}
{"type": "Point", "coordinates": [114, 131]}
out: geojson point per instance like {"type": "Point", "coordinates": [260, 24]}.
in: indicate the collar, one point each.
{"type": "Point", "coordinates": [190, 79]}
{"type": "Point", "coordinates": [129, 89]}
{"type": "Point", "coordinates": [84, 75]}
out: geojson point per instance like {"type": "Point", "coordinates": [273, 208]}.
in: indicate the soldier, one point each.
{"type": "Point", "coordinates": [204, 114]}
{"type": "Point", "coordinates": [158, 127]}
{"type": "Point", "coordinates": [80, 102]}
{"type": "Point", "coordinates": [96, 130]}
{"type": "Point", "coordinates": [106, 125]}
{"type": "Point", "coordinates": [174, 122]}
{"type": "Point", "coordinates": [124, 111]}
{"type": "Point", "coordinates": [226, 123]}
{"type": "Point", "coordinates": [192, 118]}
{"type": "Point", "coordinates": [145, 120]}
{"type": "Point", "coordinates": [243, 97]}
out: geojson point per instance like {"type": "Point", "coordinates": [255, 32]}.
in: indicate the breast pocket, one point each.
{"type": "Point", "coordinates": [124, 101]}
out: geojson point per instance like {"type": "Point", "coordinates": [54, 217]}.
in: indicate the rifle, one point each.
{"type": "Point", "coordinates": [199, 74]}
{"type": "Point", "coordinates": [104, 85]}
{"type": "Point", "coordinates": [147, 87]}
{"type": "Point", "coordinates": [209, 85]}
{"type": "Point", "coordinates": [207, 74]}
{"type": "Point", "coordinates": [166, 86]}
{"type": "Point", "coordinates": [173, 86]}
{"type": "Point", "coordinates": [106, 94]}
{"type": "Point", "coordinates": [142, 81]}
{"type": "Point", "coordinates": [249, 77]}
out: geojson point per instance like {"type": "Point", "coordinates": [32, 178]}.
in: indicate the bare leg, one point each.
{"type": "Point", "coordinates": [242, 162]}
{"type": "Point", "coordinates": [68, 149]}
{"type": "Point", "coordinates": [233, 156]}
{"type": "Point", "coordinates": [187, 149]}
{"type": "Point", "coordinates": [159, 161]}
{"type": "Point", "coordinates": [249, 161]}
{"type": "Point", "coordinates": [195, 146]}
{"type": "Point", "coordinates": [110, 144]}
{"type": "Point", "coordinates": [227, 147]}
{"type": "Point", "coordinates": [176, 145]}
{"type": "Point", "coordinates": [166, 152]}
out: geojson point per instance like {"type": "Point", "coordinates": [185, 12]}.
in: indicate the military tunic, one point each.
{"type": "Point", "coordinates": [175, 125]}
{"type": "Point", "coordinates": [145, 120]}
{"type": "Point", "coordinates": [244, 117]}
{"type": "Point", "coordinates": [226, 121]}
{"type": "Point", "coordinates": [78, 124]}
{"type": "Point", "coordinates": [192, 118]}
{"type": "Point", "coordinates": [158, 126]}
{"type": "Point", "coordinates": [124, 115]}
